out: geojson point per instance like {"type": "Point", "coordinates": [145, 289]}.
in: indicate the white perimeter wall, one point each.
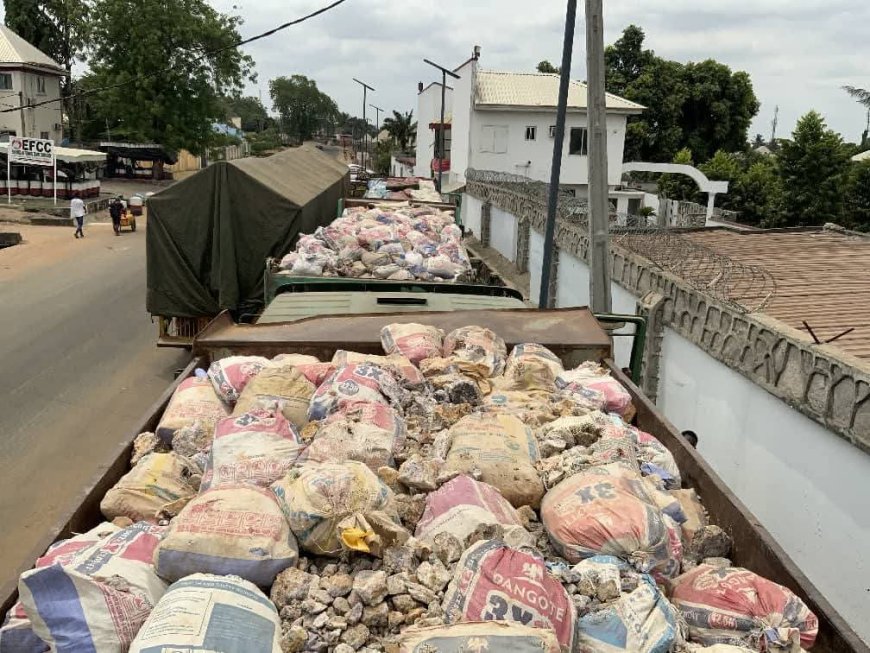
{"type": "Point", "coordinates": [470, 214]}
{"type": "Point", "coordinates": [503, 234]}
{"type": "Point", "coordinates": [809, 487]}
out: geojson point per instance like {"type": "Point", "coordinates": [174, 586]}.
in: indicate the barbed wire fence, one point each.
{"type": "Point", "coordinates": [747, 288]}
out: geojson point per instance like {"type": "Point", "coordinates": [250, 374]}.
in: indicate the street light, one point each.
{"type": "Point", "coordinates": [444, 73]}
{"type": "Point", "coordinates": [366, 89]}
{"type": "Point", "coordinates": [378, 111]}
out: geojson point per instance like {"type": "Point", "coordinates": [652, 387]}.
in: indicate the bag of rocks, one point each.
{"type": "Point", "coordinates": [369, 433]}
{"type": "Point", "coordinates": [591, 376]}
{"type": "Point", "coordinates": [283, 384]}
{"type": "Point", "coordinates": [257, 447]}
{"type": "Point", "coordinates": [398, 364]}
{"type": "Point", "coordinates": [531, 366]}
{"type": "Point", "coordinates": [613, 510]}
{"type": "Point", "coordinates": [99, 600]}
{"type": "Point", "coordinates": [496, 582]}
{"type": "Point", "coordinates": [157, 480]}
{"type": "Point", "coordinates": [412, 340]}
{"type": "Point", "coordinates": [363, 382]}
{"type": "Point", "coordinates": [215, 613]}
{"type": "Point", "coordinates": [230, 529]}
{"type": "Point", "coordinates": [461, 506]}
{"type": "Point", "coordinates": [731, 605]}
{"type": "Point", "coordinates": [503, 450]}
{"type": "Point", "coordinates": [193, 400]}
{"type": "Point", "coordinates": [230, 375]}
{"type": "Point", "coordinates": [335, 507]}
{"type": "Point", "coordinates": [476, 636]}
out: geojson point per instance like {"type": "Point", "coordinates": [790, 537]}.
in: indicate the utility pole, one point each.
{"type": "Point", "coordinates": [377, 116]}
{"type": "Point", "coordinates": [773, 125]}
{"type": "Point", "coordinates": [21, 109]}
{"type": "Point", "coordinates": [599, 207]}
{"type": "Point", "coordinates": [558, 144]}
{"type": "Point", "coordinates": [366, 89]}
{"type": "Point", "coordinates": [443, 131]}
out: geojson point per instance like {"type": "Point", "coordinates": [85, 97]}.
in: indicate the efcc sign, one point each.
{"type": "Point", "coordinates": [32, 151]}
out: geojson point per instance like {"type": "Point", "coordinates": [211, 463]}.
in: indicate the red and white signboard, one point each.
{"type": "Point", "coordinates": [31, 151]}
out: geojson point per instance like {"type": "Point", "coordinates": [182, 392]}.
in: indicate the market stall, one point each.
{"type": "Point", "coordinates": [77, 172]}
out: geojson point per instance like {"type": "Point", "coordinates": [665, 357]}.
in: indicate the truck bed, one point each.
{"type": "Point", "coordinates": [574, 335]}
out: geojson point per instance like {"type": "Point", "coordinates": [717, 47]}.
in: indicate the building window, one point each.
{"type": "Point", "coordinates": [40, 85]}
{"type": "Point", "coordinates": [531, 133]}
{"type": "Point", "coordinates": [44, 136]}
{"type": "Point", "coordinates": [494, 139]}
{"type": "Point", "coordinates": [552, 131]}
{"type": "Point", "coordinates": [5, 81]}
{"type": "Point", "coordinates": [578, 144]}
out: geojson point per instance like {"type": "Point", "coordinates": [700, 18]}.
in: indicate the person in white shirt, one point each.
{"type": "Point", "coordinates": [77, 211]}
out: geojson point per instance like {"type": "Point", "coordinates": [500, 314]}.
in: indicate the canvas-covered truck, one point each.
{"type": "Point", "coordinates": [475, 385]}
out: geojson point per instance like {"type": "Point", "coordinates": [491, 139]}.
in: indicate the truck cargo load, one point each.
{"type": "Point", "coordinates": [209, 234]}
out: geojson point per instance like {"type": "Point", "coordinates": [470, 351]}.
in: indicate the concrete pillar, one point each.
{"type": "Point", "coordinates": [485, 223]}
{"type": "Point", "coordinates": [524, 237]}
{"type": "Point", "coordinates": [711, 203]}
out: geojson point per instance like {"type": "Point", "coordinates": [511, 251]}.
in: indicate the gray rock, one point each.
{"type": "Point", "coordinates": [321, 596]}
{"type": "Point", "coordinates": [310, 606]}
{"type": "Point", "coordinates": [329, 569]}
{"type": "Point", "coordinates": [376, 616]}
{"type": "Point", "coordinates": [433, 576]}
{"type": "Point", "coordinates": [410, 509]}
{"type": "Point", "coordinates": [355, 636]}
{"type": "Point", "coordinates": [291, 612]}
{"type": "Point", "coordinates": [291, 585]}
{"type": "Point", "coordinates": [419, 474]}
{"type": "Point", "coordinates": [294, 640]}
{"type": "Point", "coordinates": [709, 542]}
{"type": "Point", "coordinates": [485, 532]}
{"type": "Point", "coordinates": [320, 621]}
{"type": "Point", "coordinates": [550, 447]}
{"type": "Point", "coordinates": [421, 594]}
{"type": "Point", "coordinates": [371, 586]}
{"type": "Point", "coordinates": [355, 614]}
{"type": "Point", "coordinates": [395, 584]}
{"type": "Point", "coordinates": [339, 585]}
{"type": "Point", "coordinates": [403, 603]}
{"type": "Point", "coordinates": [397, 559]}
{"type": "Point", "coordinates": [447, 547]}
{"type": "Point", "coordinates": [395, 619]}
{"type": "Point", "coordinates": [344, 648]}
{"type": "Point", "coordinates": [353, 598]}
{"type": "Point", "coordinates": [341, 605]}
{"type": "Point", "coordinates": [339, 623]}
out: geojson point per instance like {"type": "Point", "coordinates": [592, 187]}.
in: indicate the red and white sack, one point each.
{"type": "Point", "coordinates": [494, 582]}
{"type": "Point", "coordinates": [369, 433]}
{"type": "Point", "coordinates": [612, 512]}
{"type": "Point", "coordinates": [591, 376]}
{"type": "Point", "coordinates": [365, 382]}
{"type": "Point", "coordinates": [399, 365]}
{"type": "Point", "coordinates": [228, 530]}
{"type": "Point", "coordinates": [531, 367]}
{"type": "Point", "coordinates": [157, 480]}
{"type": "Point", "coordinates": [16, 635]}
{"type": "Point", "coordinates": [478, 637]}
{"type": "Point", "coordinates": [730, 605]}
{"type": "Point", "coordinates": [461, 504]}
{"type": "Point", "coordinates": [316, 373]}
{"type": "Point", "coordinates": [479, 347]}
{"type": "Point", "coordinates": [257, 448]}
{"type": "Point", "coordinates": [99, 600]}
{"type": "Point", "coordinates": [294, 359]}
{"type": "Point", "coordinates": [230, 375]}
{"type": "Point", "coordinates": [283, 384]}
{"type": "Point", "coordinates": [203, 612]}
{"type": "Point", "coordinates": [412, 340]}
{"type": "Point", "coordinates": [193, 400]}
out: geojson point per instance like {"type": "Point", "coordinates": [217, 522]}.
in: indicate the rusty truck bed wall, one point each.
{"type": "Point", "coordinates": [573, 334]}
{"type": "Point", "coordinates": [754, 547]}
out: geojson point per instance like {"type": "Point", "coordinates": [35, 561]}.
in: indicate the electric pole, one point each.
{"type": "Point", "coordinates": [443, 128]}
{"type": "Point", "coordinates": [366, 89]}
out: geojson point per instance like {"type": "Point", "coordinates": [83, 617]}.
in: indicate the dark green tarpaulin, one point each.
{"type": "Point", "coordinates": [209, 235]}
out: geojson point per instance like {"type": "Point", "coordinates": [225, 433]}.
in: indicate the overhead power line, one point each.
{"type": "Point", "coordinates": [209, 53]}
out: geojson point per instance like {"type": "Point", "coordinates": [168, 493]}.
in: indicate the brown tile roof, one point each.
{"type": "Point", "coordinates": [822, 277]}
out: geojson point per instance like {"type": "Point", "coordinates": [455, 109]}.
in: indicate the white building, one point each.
{"type": "Point", "coordinates": [506, 122]}
{"type": "Point", "coordinates": [28, 77]}
{"type": "Point", "coordinates": [428, 120]}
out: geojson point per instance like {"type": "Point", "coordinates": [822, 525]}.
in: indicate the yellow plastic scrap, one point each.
{"type": "Point", "coordinates": [357, 539]}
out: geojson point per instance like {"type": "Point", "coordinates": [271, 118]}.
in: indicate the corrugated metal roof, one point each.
{"type": "Point", "coordinates": [822, 277]}
{"type": "Point", "coordinates": [537, 90]}
{"type": "Point", "coordinates": [15, 50]}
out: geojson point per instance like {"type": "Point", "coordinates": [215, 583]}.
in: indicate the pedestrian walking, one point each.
{"type": "Point", "coordinates": [116, 210]}
{"type": "Point", "coordinates": [77, 211]}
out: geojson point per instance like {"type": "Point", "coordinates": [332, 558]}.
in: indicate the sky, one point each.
{"type": "Point", "coordinates": [799, 53]}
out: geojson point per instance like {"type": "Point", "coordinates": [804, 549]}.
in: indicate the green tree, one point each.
{"type": "Point", "coordinates": [304, 109]}
{"type": "Point", "coordinates": [703, 106]}
{"type": "Point", "coordinates": [812, 166]}
{"type": "Point", "coordinates": [177, 106]}
{"type": "Point", "coordinates": [725, 166]}
{"type": "Point", "coordinates": [759, 194]}
{"type": "Point", "coordinates": [546, 67]}
{"type": "Point", "coordinates": [857, 192]}
{"type": "Point", "coordinates": [250, 110]}
{"type": "Point", "coordinates": [860, 94]}
{"type": "Point", "coordinates": [402, 128]}
{"type": "Point", "coordinates": [382, 157]}
{"type": "Point", "coordinates": [680, 187]}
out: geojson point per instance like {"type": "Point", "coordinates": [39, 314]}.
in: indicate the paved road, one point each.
{"type": "Point", "coordinates": [78, 368]}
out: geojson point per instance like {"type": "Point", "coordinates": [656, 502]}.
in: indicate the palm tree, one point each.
{"type": "Point", "coordinates": [860, 94]}
{"type": "Point", "coordinates": [402, 128]}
